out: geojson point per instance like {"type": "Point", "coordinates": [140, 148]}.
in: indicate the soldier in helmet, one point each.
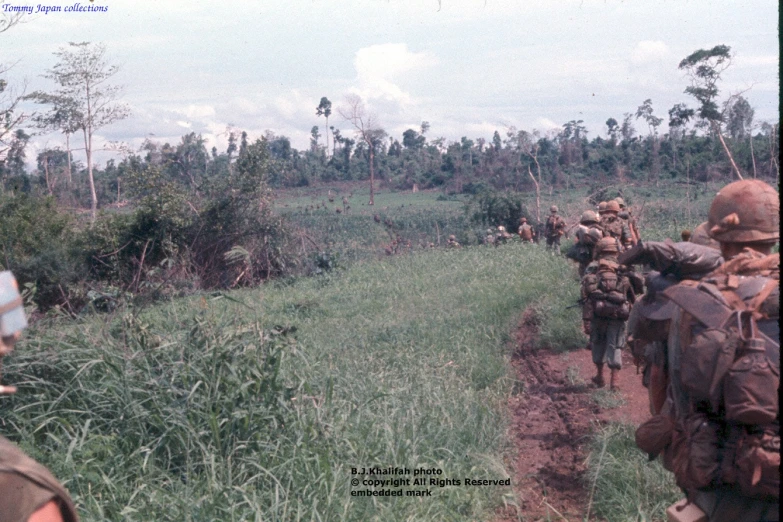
{"type": "Point", "coordinates": [588, 233]}
{"type": "Point", "coordinates": [452, 242]}
{"type": "Point", "coordinates": [719, 427]}
{"type": "Point", "coordinates": [601, 209]}
{"type": "Point", "coordinates": [608, 295]}
{"type": "Point", "coordinates": [555, 228]}
{"type": "Point", "coordinates": [28, 491]}
{"type": "Point", "coordinates": [502, 237]}
{"type": "Point", "coordinates": [615, 227]}
{"type": "Point", "coordinates": [626, 215]}
{"type": "Point", "coordinates": [526, 232]}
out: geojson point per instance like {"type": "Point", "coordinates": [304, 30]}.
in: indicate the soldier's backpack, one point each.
{"type": "Point", "coordinates": [526, 232]}
{"type": "Point", "coordinates": [608, 289]}
{"type": "Point", "coordinates": [553, 223]}
{"type": "Point", "coordinates": [730, 367]}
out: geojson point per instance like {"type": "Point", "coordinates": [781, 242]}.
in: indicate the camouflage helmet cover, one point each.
{"type": "Point", "coordinates": [620, 201]}
{"type": "Point", "coordinates": [588, 216]}
{"type": "Point", "coordinates": [452, 237]}
{"type": "Point", "coordinates": [745, 211]}
{"type": "Point", "coordinates": [523, 220]}
{"type": "Point", "coordinates": [612, 206]}
{"type": "Point", "coordinates": [602, 207]}
{"type": "Point", "coordinates": [553, 208]}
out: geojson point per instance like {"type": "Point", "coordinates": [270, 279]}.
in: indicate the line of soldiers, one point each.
{"type": "Point", "coordinates": [707, 331]}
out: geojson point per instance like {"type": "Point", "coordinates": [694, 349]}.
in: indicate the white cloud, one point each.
{"type": "Point", "coordinates": [377, 65]}
{"type": "Point", "coordinates": [545, 124]}
{"type": "Point", "coordinates": [649, 51]}
{"type": "Point", "coordinates": [184, 124]}
{"type": "Point", "coordinates": [198, 112]}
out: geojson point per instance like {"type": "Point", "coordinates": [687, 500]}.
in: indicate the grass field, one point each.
{"type": "Point", "coordinates": [200, 410]}
{"type": "Point", "coordinates": [256, 404]}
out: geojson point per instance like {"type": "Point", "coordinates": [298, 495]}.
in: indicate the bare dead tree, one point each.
{"type": "Point", "coordinates": [367, 129]}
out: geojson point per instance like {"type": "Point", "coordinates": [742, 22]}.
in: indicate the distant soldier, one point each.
{"type": "Point", "coordinates": [607, 294]}
{"type": "Point", "coordinates": [526, 232]}
{"type": "Point", "coordinates": [555, 228]}
{"type": "Point", "coordinates": [490, 239]}
{"type": "Point", "coordinates": [452, 242]}
{"type": "Point", "coordinates": [615, 227]}
{"type": "Point", "coordinates": [588, 233]}
{"type": "Point", "coordinates": [28, 491]}
{"type": "Point", "coordinates": [602, 209]}
{"type": "Point", "coordinates": [719, 427]}
{"type": "Point", "coordinates": [626, 215]}
{"type": "Point", "coordinates": [685, 235]}
{"type": "Point", "coordinates": [502, 237]}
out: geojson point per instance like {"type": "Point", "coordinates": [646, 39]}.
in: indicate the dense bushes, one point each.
{"type": "Point", "coordinates": [497, 208]}
{"type": "Point", "coordinates": [221, 233]}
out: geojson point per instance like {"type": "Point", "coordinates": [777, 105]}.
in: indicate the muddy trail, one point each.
{"type": "Point", "coordinates": [552, 420]}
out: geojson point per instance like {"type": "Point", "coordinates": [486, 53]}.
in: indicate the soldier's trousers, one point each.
{"type": "Point", "coordinates": [607, 338]}
{"type": "Point", "coordinates": [553, 243]}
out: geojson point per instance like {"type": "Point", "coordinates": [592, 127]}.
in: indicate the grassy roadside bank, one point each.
{"type": "Point", "coordinates": [200, 409]}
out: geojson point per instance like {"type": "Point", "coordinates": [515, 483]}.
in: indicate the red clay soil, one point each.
{"type": "Point", "coordinates": [552, 420]}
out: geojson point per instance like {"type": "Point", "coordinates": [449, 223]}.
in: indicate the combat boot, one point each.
{"type": "Point", "coordinates": [598, 380]}
{"type": "Point", "coordinates": [614, 378]}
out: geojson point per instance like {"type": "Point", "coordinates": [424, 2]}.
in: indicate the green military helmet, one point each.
{"type": "Point", "coordinates": [523, 220]}
{"type": "Point", "coordinates": [588, 216]}
{"type": "Point", "coordinates": [607, 245]}
{"type": "Point", "coordinates": [602, 207]}
{"type": "Point", "coordinates": [620, 201]}
{"type": "Point", "coordinates": [452, 237]}
{"type": "Point", "coordinates": [612, 206]}
{"type": "Point", "coordinates": [490, 231]}
{"type": "Point", "coordinates": [553, 208]}
{"type": "Point", "coordinates": [745, 211]}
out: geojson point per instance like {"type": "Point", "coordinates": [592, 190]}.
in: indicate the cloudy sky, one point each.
{"type": "Point", "coordinates": [469, 67]}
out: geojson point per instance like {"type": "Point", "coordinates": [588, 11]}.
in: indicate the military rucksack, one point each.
{"type": "Point", "coordinates": [609, 290]}
{"type": "Point", "coordinates": [612, 227]}
{"type": "Point", "coordinates": [730, 369]}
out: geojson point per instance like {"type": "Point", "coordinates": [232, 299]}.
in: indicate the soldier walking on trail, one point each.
{"type": "Point", "coordinates": [555, 228]}
{"type": "Point", "coordinates": [630, 221]}
{"type": "Point", "coordinates": [615, 227]}
{"type": "Point", "coordinates": [28, 491]}
{"type": "Point", "coordinates": [719, 427]}
{"type": "Point", "coordinates": [526, 232]}
{"type": "Point", "coordinates": [608, 295]}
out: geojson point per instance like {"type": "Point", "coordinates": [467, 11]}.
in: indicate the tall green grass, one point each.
{"type": "Point", "coordinates": [623, 485]}
{"type": "Point", "coordinates": [206, 409]}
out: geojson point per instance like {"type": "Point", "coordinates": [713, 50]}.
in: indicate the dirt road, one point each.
{"type": "Point", "coordinates": [552, 421]}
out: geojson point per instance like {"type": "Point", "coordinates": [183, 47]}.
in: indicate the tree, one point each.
{"type": "Point", "coordinates": [83, 74]}
{"type": "Point", "coordinates": [613, 129]}
{"type": "Point", "coordinates": [704, 68]}
{"type": "Point", "coordinates": [10, 117]}
{"type": "Point", "coordinates": [645, 111]}
{"type": "Point", "coordinates": [367, 129]}
{"type": "Point", "coordinates": [64, 116]}
{"type": "Point", "coordinates": [325, 109]}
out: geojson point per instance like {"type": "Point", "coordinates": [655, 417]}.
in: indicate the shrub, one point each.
{"type": "Point", "coordinates": [497, 208]}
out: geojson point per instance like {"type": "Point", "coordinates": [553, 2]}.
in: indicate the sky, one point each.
{"type": "Point", "coordinates": [468, 67]}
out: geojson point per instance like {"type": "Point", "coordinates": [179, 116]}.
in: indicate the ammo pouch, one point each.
{"type": "Point", "coordinates": [757, 463]}
{"type": "Point", "coordinates": [655, 434]}
{"type": "Point", "coordinates": [695, 452]}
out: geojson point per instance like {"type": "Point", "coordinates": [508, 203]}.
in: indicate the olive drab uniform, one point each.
{"type": "Point", "coordinates": [608, 293]}
{"type": "Point", "coordinates": [490, 238]}
{"type": "Point", "coordinates": [26, 486]}
{"type": "Point", "coordinates": [555, 228]}
{"type": "Point", "coordinates": [526, 232]}
{"type": "Point", "coordinates": [452, 242]}
{"type": "Point", "coordinates": [588, 233]}
{"type": "Point", "coordinates": [615, 227]}
{"type": "Point", "coordinates": [502, 237]}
